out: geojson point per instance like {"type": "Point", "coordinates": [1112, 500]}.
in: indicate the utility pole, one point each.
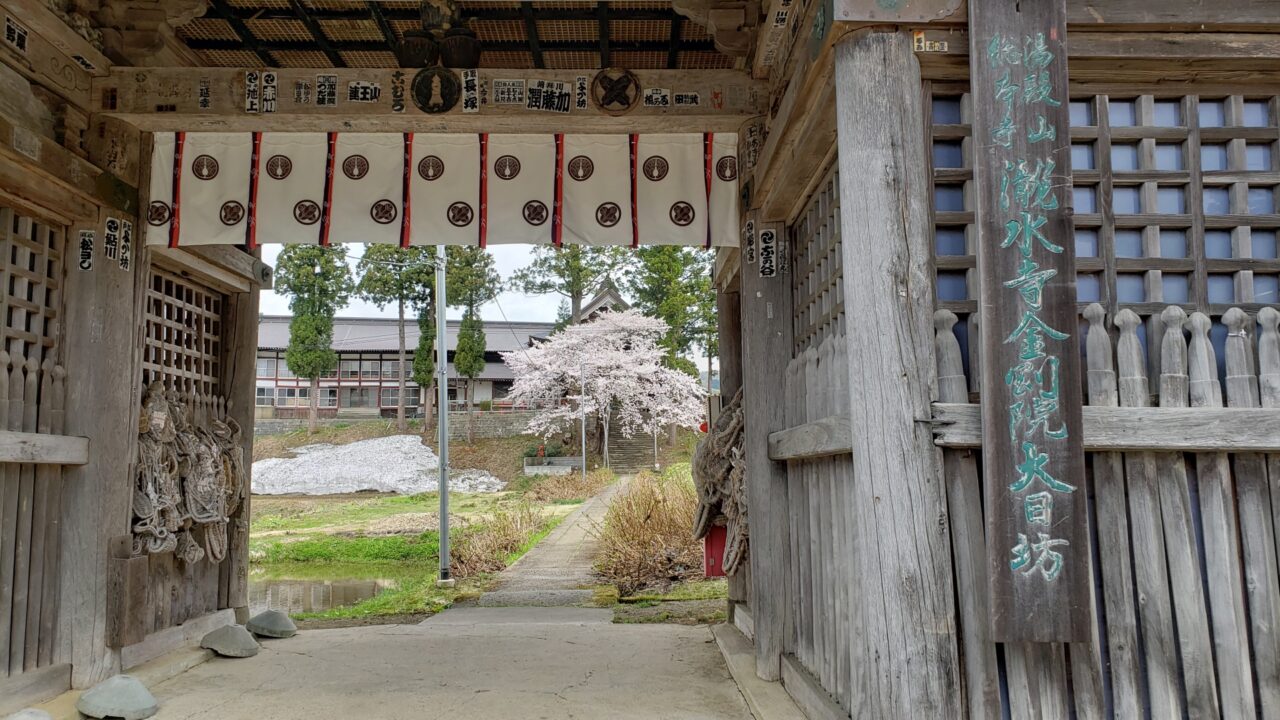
{"type": "Point", "coordinates": [582, 411]}
{"type": "Point", "coordinates": [442, 369]}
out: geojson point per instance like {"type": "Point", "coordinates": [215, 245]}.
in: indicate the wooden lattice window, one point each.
{"type": "Point", "coordinates": [818, 290]}
{"type": "Point", "coordinates": [1175, 200]}
{"type": "Point", "coordinates": [32, 271]}
{"type": "Point", "coordinates": [182, 346]}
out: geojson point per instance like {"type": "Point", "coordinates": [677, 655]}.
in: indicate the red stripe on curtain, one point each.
{"type": "Point", "coordinates": [405, 220]}
{"type": "Point", "coordinates": [557, 213]}
{"type": "Point", "coordinates": [327, 210]}
{"type": "Point", "coordinates": [179, 141]}
{"type": "Point", "coordinates": [635, 216]}
{"type": "Point", "coordinates": [484, 188]}
{"type": "Point", "coordinates": [708, 143]}
{"type": "Point", "coordinates": [251, 230]}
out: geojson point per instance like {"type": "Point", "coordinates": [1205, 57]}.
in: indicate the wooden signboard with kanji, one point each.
{"type": "Point", "coordinates": [1033, 462]}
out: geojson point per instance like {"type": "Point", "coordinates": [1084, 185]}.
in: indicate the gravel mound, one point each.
{"type": "Point", "coordinates": [396, 463]}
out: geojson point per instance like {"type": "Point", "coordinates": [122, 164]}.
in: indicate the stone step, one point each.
{"type": "Point", "coordinates": [535, 598]}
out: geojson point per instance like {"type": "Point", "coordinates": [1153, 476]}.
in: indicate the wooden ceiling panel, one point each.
{"type": "Point", "coordinates": [302, 58]}
{"type": "Point", "coordinates": [369, 58]}
{"type": "Point", "coordinates": [572, 60]}
{"type": "Point", "coordinates": [351, 30]}
{"type": "Point", "coordinates": [633, 60]}
{"type": "Point", "coordinates": [270, 30]}
{"type": "Point", "coordinates": [640, 30]}
{"type": "Point", "coordinates": [583, 31]}
{"type": "Point", "coordinates": [552, 33]}
{"type": "Point", "coordinates": [207, 29]}
{"type": "Point", "coordinates": [506, 59]}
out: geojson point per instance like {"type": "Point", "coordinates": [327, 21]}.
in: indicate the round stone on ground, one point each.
{"type": "Point", "coordinates": [272, 624]}
{"type": "Point", "coordinates": [119, 696]}
{"type": "Point", "coordinates": [231, 641]}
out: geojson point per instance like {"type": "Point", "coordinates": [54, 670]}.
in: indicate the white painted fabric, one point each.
{"type": "Point", "coordinates": [160, 206]}
{"type": "Point", "coordinates": [671, 192]}
{"type": "Point", "coordinates": [521, 188]}
{"type": "Point", "coordinates": [213, 207]}
{"type": "Point", "coordinates": [367, 189]}
{"type": "Point", "coordinates": [291, 168]}
{"type": "Point", "coordinates": [368, 186]}
{"type": "Point", "coordinates": [724, 190]}
{"type": "Point", "coordinates": [444, 190]}
{"type": "Point", "coordinates": [597, 190]}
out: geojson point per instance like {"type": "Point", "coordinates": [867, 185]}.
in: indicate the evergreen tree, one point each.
{"type": "Point", "coordinates": [403, 276]}
{"type": "Point", "coordinates": [674, 284]}
{"type": "Point", "coordinates": [572, 271]}
{"type": "Point", "coordinates": [472, 282]}
{"type": "Point", "coordinates": [468, 358]}
{"type": "Point", "coordinates": [318, 283]}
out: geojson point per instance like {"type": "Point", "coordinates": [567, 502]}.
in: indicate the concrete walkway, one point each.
{"type": "Point", "coordinates": [557, 571]}
{"type": "Point", "coordinates": [529, 661]}
{"type": "Point", "coordinates": [474, 663]}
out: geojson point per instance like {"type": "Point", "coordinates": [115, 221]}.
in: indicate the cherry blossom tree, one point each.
{"type": "Point", "coordinates": [612, 369]}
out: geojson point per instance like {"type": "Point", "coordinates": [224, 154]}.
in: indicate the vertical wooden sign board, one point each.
{"type": "Point", "coordinates": [1033, 462]}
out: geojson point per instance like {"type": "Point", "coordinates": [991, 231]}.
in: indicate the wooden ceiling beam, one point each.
{"type": "Point", "coordinates": [140, 91]}
{"type": "Point", "coordinates": [602, 33]}
{"type": "Point", "coordinates": [247, 38]}
{"type": "Point", "coordinates": [505, 45]}
{"type": "Point", "coordinates": [482, 13]}
{"type": "Point", "coordinates": [531, 30]}
{"type": "Point", "coordinates": [317, 33]}
{"type": "Point", "coordinates": [673, 51]}
{"type": "Point", "coordinates": [384, 27]}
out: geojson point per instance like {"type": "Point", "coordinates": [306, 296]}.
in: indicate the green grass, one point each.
{"type": "Point", "coordinates": [344, 549]}
{"type": "Point", "coordinates": [271, 514]}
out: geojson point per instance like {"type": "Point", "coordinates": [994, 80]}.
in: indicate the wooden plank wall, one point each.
{"type": "Point", "coordinates": [31, 392]}
{"type": "Point", "coordinates": [1185, 584]}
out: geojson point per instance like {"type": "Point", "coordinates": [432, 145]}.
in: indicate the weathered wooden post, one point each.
{"type": "Point", "coordinates": [766, 349]}
{"type": "Point", "coordinates": [101, 329]}
{"type": "Point", "coordinates": [1033, 461]}
{"type": "Point", "coordinates": [903, 660]}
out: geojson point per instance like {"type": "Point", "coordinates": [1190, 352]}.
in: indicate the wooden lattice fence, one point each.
{"type": "Point", "coordinates": [32, 388]}
{"type": "Point", "coordinates": [1185, 584]}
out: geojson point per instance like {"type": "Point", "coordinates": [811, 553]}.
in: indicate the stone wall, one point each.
{"type": "Point", "coordinates": [488, 424]}
{"type": "Point", "coordinates": [491, 424]}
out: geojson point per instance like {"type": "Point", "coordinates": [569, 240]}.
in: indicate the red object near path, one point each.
{"type": "Point", "coordinates": [713, 552]}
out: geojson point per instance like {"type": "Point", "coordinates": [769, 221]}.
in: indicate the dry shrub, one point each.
{"type": "Point", "coordinates": [553, 488]}
{"type": "Point", "coordinates": [647, 538]}
{"type": "Point", "coordinates": [487, 546]}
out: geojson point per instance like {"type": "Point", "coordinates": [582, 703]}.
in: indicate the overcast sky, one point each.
{"type": "Point", "coordinates": [506, 258]}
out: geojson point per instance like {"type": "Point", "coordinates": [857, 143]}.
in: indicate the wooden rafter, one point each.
{"type": "Point", "coordinates": [384, 27]}
{"type": "Point", "coordinates": [602, 22]}
{"type": "Point", "coordinates": [531, 29]}
{"type": "Point", "coordinates": [317, 33]}
{"type": "Point", "coordinates": [673, 51]}
{"type": "Point", "coordinates": [505, 45]}
{"type": "Point", "coordinates": [241, 30]}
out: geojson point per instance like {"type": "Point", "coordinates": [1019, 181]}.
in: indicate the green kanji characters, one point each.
{"type": "Point", "coordinates": [1047, 560]}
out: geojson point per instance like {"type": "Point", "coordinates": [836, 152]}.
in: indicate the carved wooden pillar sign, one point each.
{"type": "Point", "coordinates": [1033, 463]}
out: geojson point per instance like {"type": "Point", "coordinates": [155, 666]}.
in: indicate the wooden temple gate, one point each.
{"type": "Point", "coordinates": [1105, 548]}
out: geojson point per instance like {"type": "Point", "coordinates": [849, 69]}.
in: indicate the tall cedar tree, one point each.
{"type": "Point", "coordinates": [572, 271]}
{"type": "Point", "coordinates": [318, 283]}
{"type": "Point", "coordinates": [472, 283]}
{"type": "Point", "coordinates": [403, 276]}
{"type": "Point", "coordinates": [674, 284]}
